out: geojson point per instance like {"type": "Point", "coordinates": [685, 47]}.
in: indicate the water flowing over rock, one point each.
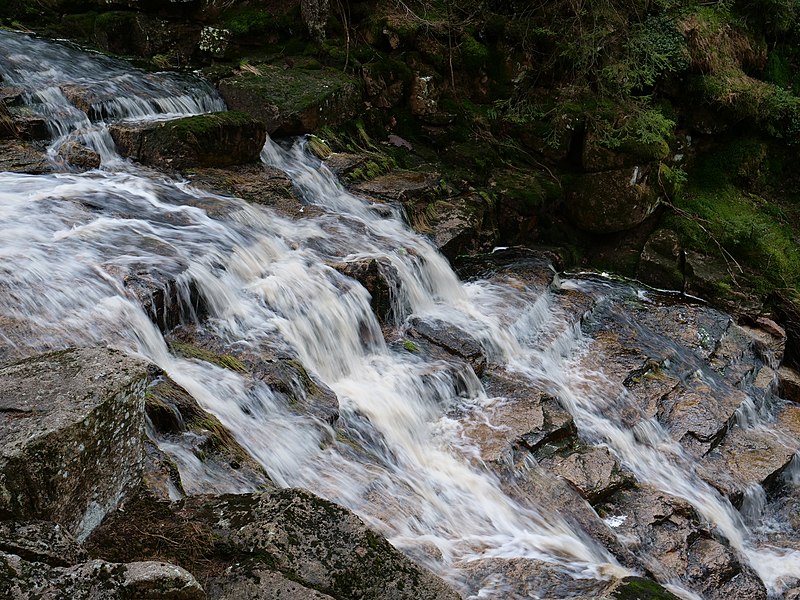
{"type": "Point", "coordinates": [331, 412]}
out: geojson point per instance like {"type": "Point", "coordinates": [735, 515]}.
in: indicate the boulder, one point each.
{"type": "Point", "coordinates": [257, 184]}
{"type": "Point", "coordinates": [611, 201]}
{"type": "Point", "coordinates": [78, 155]}
{"type": "Point", "coordinates": [594, 471]}
{"type": "Point", "coordinates": [29, 124]}
{"type": "Point", "coordinates": [293, 101]}
{"type": "Point", "coordinates": [195, 453]}
{"type": "Point", "coordinates": [94, 580]}
{"type": "Point", "coordinates": [168, 298]}
{"type": "Point", "coordinates": [789, 384]}
{"type": "Point", "coordinates": [213, 140]}
{"type": "Point", "coordinates": [450, 339]}
{"type": "Point", "coordinates": [399, 186]}
{"type": "Point", "coordinates": [295, 541]}
{"type": "Point", "coordinates": [301, 392]}
{"type": "Point", "coordinates": [661, 261]}
{"type": "Point", "coordinates": [71, 428]}
{"type": "Point", "coordinates": [382, 280]}
{"type": "Point", "coordinates": [669, 536]}
{"type": "Point", "coordinates": [748, 457]}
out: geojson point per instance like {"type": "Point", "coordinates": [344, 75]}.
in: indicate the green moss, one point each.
{"type": "Point", "coordinates": [226, 361]}
{"type": "Point", "coordinates": [248, 21]}
{"type": "Point", "coordinates": [410, 346]}
{"type": "Point", "coordinates": [474, 55]}
{"type": "Point", "coordinates": [293, 90]}
{"type": "Point", "coordinates": [755, 231]}
{"type": "Point", "coordinates": [639, 588]}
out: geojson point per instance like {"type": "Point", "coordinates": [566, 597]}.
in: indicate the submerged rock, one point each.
{"type": "Point", "coordinates": [213, 140]}
{"type": "Point", "coordinates": [71, 427]}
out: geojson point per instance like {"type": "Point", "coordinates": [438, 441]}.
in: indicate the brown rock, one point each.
{"type": "Point", "coordinates": [79, 156]}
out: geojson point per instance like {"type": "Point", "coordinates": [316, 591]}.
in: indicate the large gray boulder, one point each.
{"type": "Point", "coordinates": [71, 429]}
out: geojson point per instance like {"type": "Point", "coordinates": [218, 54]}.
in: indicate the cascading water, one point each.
{"type": "Point", "coordinates": [67, 240]}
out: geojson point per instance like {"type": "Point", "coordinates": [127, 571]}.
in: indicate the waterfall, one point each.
{"type": "Point", "coordinates": [68, 240]}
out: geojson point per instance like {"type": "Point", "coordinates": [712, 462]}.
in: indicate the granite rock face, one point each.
{"type": "Point", "coordinates": [71, 428]}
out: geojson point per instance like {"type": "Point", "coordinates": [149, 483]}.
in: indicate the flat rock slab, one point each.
{"type": "Point", "coordinates": [71, 428]}
{"type": "Point", "coordinates": [213, 140]}
{"type": "Point", "coordinates": [23, 157]}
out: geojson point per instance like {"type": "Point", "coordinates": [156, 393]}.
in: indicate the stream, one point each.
{"type": "Point", "coordinates": [407, 454]}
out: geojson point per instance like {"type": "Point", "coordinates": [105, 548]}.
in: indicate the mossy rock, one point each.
{"type": "Point", "coordinates": [213, 140]}
{"type": "Point", "coordinates": [293, 101]}
{"type": "Point", "coordinates": [639, 588]}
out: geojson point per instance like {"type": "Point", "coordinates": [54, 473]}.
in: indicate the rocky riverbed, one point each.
{"type": "Point", "coordinates": [226, 376]}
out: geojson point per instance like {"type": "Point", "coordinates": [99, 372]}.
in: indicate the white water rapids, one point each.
{"type": "Point", "coordinates": [67, 240]}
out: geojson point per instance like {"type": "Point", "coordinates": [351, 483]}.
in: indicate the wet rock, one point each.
{"type": "Point", "coordinates": [29, 125]}
{"type": "Point", "coordinates": [451, 339]}
{"type": "Point", "coordinates": [343, 163]}
{"type": "Point", "coordinates": [7, 127]}
{"type": "Point", "coordinates": [461, 225]}
{"type": "Point", "coordinates": [382, 280]}
{"type": "Point", "coordinates": [523, 417]}
{"type": "Point", "coordinates": [23, 580]}
{"type": "Point", "coordinates": [71, 425]}
{"type": "Point", "coordinates": [530, 268]}
{"type": "Point", "coordinates": [399, 186]}
{"type": "Point", "coordinates": [747, 457]}
{"type": "Point", "coordinates": [79, 155]}
{"type": "Point", "coordinates": [593, 471]}
{"type": "Point", "coordinates": [611, 201]}
{"type": "Point", "coordinates": [213, 140]}
{"type": "Point", "coordinates": [293, 101]}
{"type": "Point", "coordinates": [198, 455]}
{"type": "Point", "coordinates": [40, 541]}
{"type": "Point", "coordinates": [281, 371]}
{"type": "Point", "coordinates": [167, 298]}
{"type": "Point", "coordinates": [667, 534]}
{"type": "Point", "coordinates": [661, 261]}
{"type": "Point", "coordinates": [23, 157]}
{"type": "Point", "coordinates": [257, 184]}
{"type": "Point", "coordinates": [698, 413]}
